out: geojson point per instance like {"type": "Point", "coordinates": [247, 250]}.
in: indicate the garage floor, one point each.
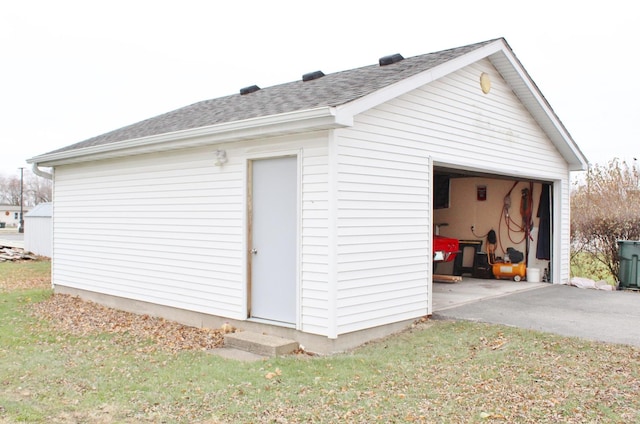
{"type": "Point", "coordinates": [450, 295]}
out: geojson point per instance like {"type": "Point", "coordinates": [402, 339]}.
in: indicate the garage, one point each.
{"type": "Point", "coordinates": [309, 209]}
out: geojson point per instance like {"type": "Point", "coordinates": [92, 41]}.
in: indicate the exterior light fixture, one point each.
{"type": "Point", "coordinates": [221, 157]}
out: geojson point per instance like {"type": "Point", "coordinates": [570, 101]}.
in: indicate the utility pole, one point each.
{"type": "Point", "coordinates": [21, 228]}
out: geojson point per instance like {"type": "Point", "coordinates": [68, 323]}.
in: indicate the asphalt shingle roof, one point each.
{"type": "Point", "coordinates": [331, 90]}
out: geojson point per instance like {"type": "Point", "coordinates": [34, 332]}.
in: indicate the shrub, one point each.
{"type": "Point", "coordinates": [603, 211]}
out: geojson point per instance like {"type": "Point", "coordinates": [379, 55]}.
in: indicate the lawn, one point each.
{"type": "Point", "coordinates": [583, 264]}
{"type": "Point", "coordinates": [436, 371]}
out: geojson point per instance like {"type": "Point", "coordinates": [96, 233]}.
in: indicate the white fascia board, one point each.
{"type": "Point", "coordinates": [531, 97]}
{"type": "Point", "coordinates": [267, 126]}
{"type": "Point", "coordinates": [500, 54]}
{"type": "Point", "coordinates": [401, 87]}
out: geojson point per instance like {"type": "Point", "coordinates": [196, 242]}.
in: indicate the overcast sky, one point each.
{"type": "Point", "coordinates": [70, 70]}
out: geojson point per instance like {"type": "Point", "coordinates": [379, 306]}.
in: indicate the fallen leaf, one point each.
{"type": "Point", "coordinates": [71, 314]}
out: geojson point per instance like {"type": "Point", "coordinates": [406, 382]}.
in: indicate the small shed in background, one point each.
{"type": "Point", "coordinates": [38, 230]}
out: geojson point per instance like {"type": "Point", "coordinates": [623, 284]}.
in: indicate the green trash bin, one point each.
{"type": "Point", "coordinates": [629, 253]}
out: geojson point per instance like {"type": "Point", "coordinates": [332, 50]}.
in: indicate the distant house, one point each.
{"type": "Point", "coordinates": [38, 228]}
{"type": "Point", "coordinates": [10, 215]}
{"type": "Point", "coordinates": [307, 208]}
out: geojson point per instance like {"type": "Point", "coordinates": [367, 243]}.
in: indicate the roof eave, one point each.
{"type": "Point", "coordinates": [531, 97]}
{"type": "Point", "coordinates": [406, 85]}
{"type": "Point", "coordinates": [322, 118]}
{"type": "Point", "coordinates": [502, 57]}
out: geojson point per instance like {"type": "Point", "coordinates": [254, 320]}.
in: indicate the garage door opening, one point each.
{"type": "Point", "coordinates": [504, 227]}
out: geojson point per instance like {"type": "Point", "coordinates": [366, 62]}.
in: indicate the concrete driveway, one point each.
{"type": "Point", "coordinates": [607, 316]}
{"type": "Point", "coordinates": [10, 237]}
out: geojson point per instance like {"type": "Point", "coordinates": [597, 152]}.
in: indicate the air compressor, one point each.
{"type": "Point", "coordinates": [509, 270]}
{"type": "Point", "coordinates": [505, 269]}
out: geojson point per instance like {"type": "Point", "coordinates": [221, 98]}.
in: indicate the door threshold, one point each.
{"type": "Point", "coordinates": [272, 322]}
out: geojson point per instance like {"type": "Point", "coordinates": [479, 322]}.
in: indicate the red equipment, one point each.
{"type": "Point", "coordinates": [445, 249]}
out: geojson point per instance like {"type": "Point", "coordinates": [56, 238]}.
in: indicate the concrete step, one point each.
{"type": "Point", "coordinates": [260, 344]}
{"type": "Point", "coordinates": [237, 354]}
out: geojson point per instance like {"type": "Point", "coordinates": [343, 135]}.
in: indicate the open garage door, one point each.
{"type": "Point", "coordinates": [504, 226]}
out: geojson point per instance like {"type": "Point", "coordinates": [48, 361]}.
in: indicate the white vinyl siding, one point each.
{"type": "Point", "coordinates": [315, 241]}
{"type": "Point", "coordinates": [163, 228]}
{"type": "Point", "coordinates": [462, 126]}
{"type": "Point", "coordinates": [383, 225]}
{"type": "Point", "coordinates": [384, 222]}
{"type": "Point", "coordinates": [169, 228]}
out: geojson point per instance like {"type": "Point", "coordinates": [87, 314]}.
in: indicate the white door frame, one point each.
{"type": "Point", "coordinates": [248, 239]}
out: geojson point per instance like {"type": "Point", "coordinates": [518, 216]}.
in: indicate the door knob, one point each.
{"type": "Point", "coordinates": [254, 251]}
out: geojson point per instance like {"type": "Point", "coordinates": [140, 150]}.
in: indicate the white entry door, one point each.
{"type": "Point", "coordinates": [273, 235]}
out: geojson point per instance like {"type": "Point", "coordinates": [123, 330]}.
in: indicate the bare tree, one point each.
{"type": "Point", "coordinates": [35, 189]}
{"type": "Point", "coordinates": [3, 197]}
{"type": "Point", "coordinates": [11, 190]}
{"type": "Point", "coordinates": [604, 211]}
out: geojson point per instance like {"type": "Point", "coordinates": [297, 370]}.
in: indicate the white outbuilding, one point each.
{"type": "Point", "coordinates": [307, 209]}
{"type": "Point", "coordinates": [38, 229]}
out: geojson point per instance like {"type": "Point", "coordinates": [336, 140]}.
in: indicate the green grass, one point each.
{"type": "Point", "coordinates": [24, 275]}
{"type": "Point", "coordinates": [585, 265]}
{"type": "Point", "coordinates": [439, 371]}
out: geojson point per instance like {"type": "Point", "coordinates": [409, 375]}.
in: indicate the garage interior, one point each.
{"type": "Point", "coordinates": [504, 229]}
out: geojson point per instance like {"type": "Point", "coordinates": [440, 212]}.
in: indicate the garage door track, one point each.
{"type": "Point", "coordinates": [607, 316]}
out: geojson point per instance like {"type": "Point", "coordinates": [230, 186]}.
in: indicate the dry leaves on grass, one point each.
{"type": "Point", "coordinates": [20, 278]}
{"type": "Point", "coordinates": [70, 314]}
{"type": "Point", "coordinates": [37, 283]}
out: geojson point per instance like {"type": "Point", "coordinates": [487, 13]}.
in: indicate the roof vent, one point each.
{"type": "Point", "coordinates": [312, 75]}
{"type": "Point", "coordinates": [249, 90]}
{"type": "Point", "coordinates": [388, 60]}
